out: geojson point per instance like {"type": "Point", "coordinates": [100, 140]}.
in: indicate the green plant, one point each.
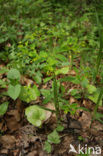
{"type": "Point", "coordinates": [35, 115]}
{"type": "Point", "coordinates": [3, 108]}
{"type": "Point", "coordinates": [14, 87]}
{"type": "Point", "coordinates": [28, 93]}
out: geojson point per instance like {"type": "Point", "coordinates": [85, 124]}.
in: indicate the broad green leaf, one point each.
{"type": "Point", "coordinates": [63, 70]}
{"type": "Point", "coordinates": [61, 57]}
{"type": "Point", "coordinates": [59, 128]}
{"type": "Point", "coordinates": [3, 108]}
{"type": "Point", "coordinates": [94, 98]}
{"type": "Point", "coordinates": [28, 93]}
{"type": "Point", "coordinates": [14, 91]}
{"type": "Point", "coordinates": [47, 147]}
{"type": "Point", "coordinates": [91, 89]}
{"type": "Point", "coordinates": [54, 137]}
{"type": "Point", "coordinates": [13, 74]}
{"type": "Point", "coordinates": [47, 79]}
{"type": "Point", "coordinates": [35, 115]}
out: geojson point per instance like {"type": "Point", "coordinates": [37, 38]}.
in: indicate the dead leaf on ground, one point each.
{"type": "Point", "coordinates": [12, 124]}
{"type": "Point", "coordinates": [85, 120]}
{"type": "Point", "coordinates": [64, 146]}
{"type": "Point", "coordinates": [33, 153]}
{"type": "Point", "coordinates": [8, 141]}
{"type": "Point", "coordinates": [19, 105]}
{"type": "Point", "coordinates": [88, 104]}
{"type": "Point", "coordinates": [4, 151]}
{"type": "Point", "coordinates": [72, 72]}
{"type": "Point", "coordinates": [48, 113]}
{"type": "Point", "coordinates": [15, 114]}
{"type": "Point", "coordinates": [72, 100]}
{"type": "Point", "coordinates": [26, 81]}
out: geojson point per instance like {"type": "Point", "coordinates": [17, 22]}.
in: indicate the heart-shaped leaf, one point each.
{"type": "Point", "coordinates": [13, 74]}
{"type": "Point", "coordinates": [14, 91]}
{"type": "Point", "coordinates": [35, 115]}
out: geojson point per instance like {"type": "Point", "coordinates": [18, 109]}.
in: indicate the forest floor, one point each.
{"type": "Point", "coordinates": [22, 139]}
{"type": "Point", "coordinates": [42, 31]}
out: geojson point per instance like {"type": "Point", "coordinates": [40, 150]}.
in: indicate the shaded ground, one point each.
{"type": "Point", "coordinates": [19, 138]}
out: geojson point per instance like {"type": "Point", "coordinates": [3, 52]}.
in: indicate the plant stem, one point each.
{"type": "Point", "coordinates": [56, 98]}
{"type": "Point", "coordinates": [47, 109]}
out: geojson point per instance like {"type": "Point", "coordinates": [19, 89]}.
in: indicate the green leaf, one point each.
{"type": "Point", "coordinates": [84, 82]}
{"type": "Point", "coordinates": [13, 74]}
{"type": "Point", "coordinates": [14, 91]}
{"type": "Point", "coordinates": [54, 137]}
{"type": "Point", "coordinates": [47, 94]}
{"type": "Point", "coordinates": [61, 57]}
{"type": "Point", "coordinates": [2, 84]}
{"type": "Point", "coordinates": [63, 70]}
{"type": "Point", "coordinates": [94, 98]}
{"type": "Point", "coordinates": [29, 94]}
{"type": "Point", "coordinates": [59, 128]}
{"type": "Point", "coordinates": [3, 70]}
{"type": "Point", "coordinates": [37, 77]}
{"type": "Point", "coordinates": [91, 89]}
{"type": "Point", "coordinates": [47, 79]}
{"type": "Point", "coordinates": [35, 115]}
{"type": "Point", "coordinates": [3, 108]}
{"type": "Point", "coordinates": [47, 147]}
{"type": "Point", "coordinates": [98, 117]}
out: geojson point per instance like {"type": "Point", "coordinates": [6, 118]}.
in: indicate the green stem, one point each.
{"type": "Point", "coordinates": [47, 109]}
{"type": "Point", "coordinates": [56, 98]}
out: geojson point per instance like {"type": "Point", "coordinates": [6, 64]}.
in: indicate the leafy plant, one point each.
{"type": "Point", "coordinates": [35, 115]}
{"type": "Point", "coordinates": [28, 93]}
{"type": "Point", "coordinates": [14, 87]}
{"type": "Point", "coordinates": [53, 138]}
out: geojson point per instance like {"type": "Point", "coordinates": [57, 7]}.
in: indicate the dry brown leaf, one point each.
{"type": "Point", "coordinates": [8, 141]}
{"type": "Point", "coordinates": [19, 105]}
{"type": "Point", "coordinates": [33, 153]}
{"type": "Point", "coordinates": [48, 113]}
{"type": "Point", "coordinates": [16, 152]}
{"type": "Point", "coordinates": [15, 114]}
{"type": "Point", "coordinates": [85, 120]}
{"type": "Point", "coordinates": [72, 72]}
{"type": "Point", "coordinates": [12, 124]}
{"type": "Point", "coordinates": [4, 151]}
{"type": "Point", "coordinates": [26, 81]}
{"type": "Point", "coordinates": [72, 100]}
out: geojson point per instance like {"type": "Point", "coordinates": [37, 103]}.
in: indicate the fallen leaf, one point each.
{"type": "Point", "coordinates": [15, 114]}
{"type": "Point", "coordinates": [8, 141]}
{"type": "Point", "coordinates": [85, 120]}
{"type": "Point", "coordinates": [33, 153]}
{"type": "Point", "coordinates": [72, 100]}
{"type": "Point", "coordinates": [4, 151]}
{"type": "Point", "coordinates": [12, 124]}
{"type": "Point", "coordinates": [48, 113]}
